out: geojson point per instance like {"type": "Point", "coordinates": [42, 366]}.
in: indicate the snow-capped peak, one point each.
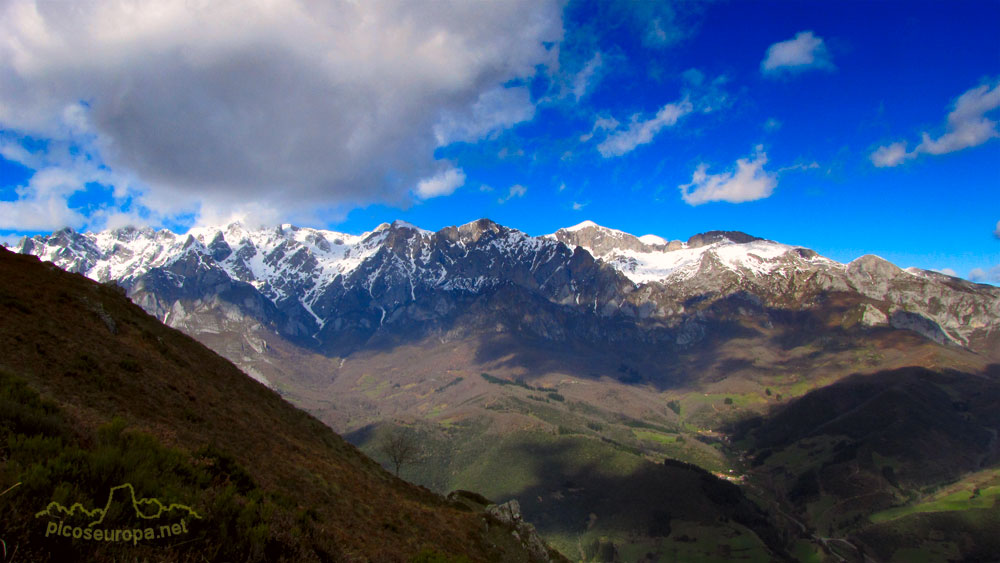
{"type": "Point", "coordinates": [581, 226]}
{"type": "Point", "coordinates": [590, 224]}
{"type": "Point", "coordinates": [400, 224]}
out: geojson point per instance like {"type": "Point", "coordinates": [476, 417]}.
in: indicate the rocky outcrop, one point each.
{"type": "Point", "coordinates": [712, 237]}
{"type": "Point", "coordinates": [871, 316]}
{"type": "Point", "coordinates": [601, 241]}
{"type": "Point", "coordinates": [508, 515]}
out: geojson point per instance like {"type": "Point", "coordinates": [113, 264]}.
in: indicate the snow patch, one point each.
{"type": "Point", "coordinates": [398, 223]}
{"type": "Point", "coordinates": [758, 257]}
{"type": "Point", "coordinates": [581, 226]}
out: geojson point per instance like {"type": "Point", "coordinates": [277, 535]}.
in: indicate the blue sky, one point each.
{"type": "Point", "coordinates": [847, 127]}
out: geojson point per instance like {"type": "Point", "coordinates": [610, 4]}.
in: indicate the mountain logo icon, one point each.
{"type": "Point", "coordinates": [125, 497]}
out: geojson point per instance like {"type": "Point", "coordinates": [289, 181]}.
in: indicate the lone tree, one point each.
{"type": "Point", "coordinates": [400, 446]}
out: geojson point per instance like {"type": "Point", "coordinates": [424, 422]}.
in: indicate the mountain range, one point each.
{"type": "Point", "coordinates": [335, 293]}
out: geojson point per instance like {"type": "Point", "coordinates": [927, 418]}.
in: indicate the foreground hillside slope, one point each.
{"type": "Point", "coordinates": [96, 394]}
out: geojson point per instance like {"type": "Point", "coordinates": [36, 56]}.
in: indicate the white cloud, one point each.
{"type": "Point", "coordinates": [10, 240]}
{"type": "Point", "coordinates": [658, 36]}
{"type": "Point", "coordinates": [510, 153]}
{"type": "Point", "coordinates": [889, 155]}
{"type": "Point", "coordinates": [494, 111]}
{"type": "Point", "coordinates": [707, 95]}
{"type": "Point", "coordinates": [799, 167]}
{"type": "Point", "coordinates": [442, 183]}
{"type": "Point", "coordinates": [601, 125]}
{"type": "Point", "coordinates": [572, 79]}
{"type": "Point", "coordinates": [996, 232]}
{"type": "Point", "coordinates": [640, 132]}
{"type": "Point", "coordinates": [803, 52]}
{"type": "Point", "coordinates": [748, 182]}
{"type": "Point", "coordinates": [38, 214]}
{"type": "Point", "coordinates": [587, 77]}
{"type": "Point", "coordinates": [517, 190]}
{"type": "Point", "coordinates": [772, 124]}
{"type": "Point", "coordinates": [60, 171]}
{"type": "Point", "coordinates": [947, 272]}
{"type": "Point", "coordinates": [699, 94]}
{"type": "Point", "coordinates": [577, 206]}
{"type": "Point", "coordinates": [251, 213]}
{"type": "Point", "coordinates": [967, 123]}
{"type": "Point", "coordinates": [666, 27]}
{"type": "Point", "coordinates": [299, 105]}
{"type": "Point", "coordinates": [981, 275]}
{"type": "Point", "coordinates": [42, 204]}
{"type": "Point", "coordinates": [118, 219]}
{"type": "Point", "coordinates": [966, 126]}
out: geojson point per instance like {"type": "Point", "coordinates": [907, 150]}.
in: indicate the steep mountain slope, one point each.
{"type": "Point", "coordinates": [99, 397]}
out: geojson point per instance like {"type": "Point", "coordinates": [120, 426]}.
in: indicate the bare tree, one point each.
{"type": "Point", "coordinates": [400, 446]}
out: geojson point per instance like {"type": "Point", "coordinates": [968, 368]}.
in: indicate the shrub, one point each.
{"type": "Point", "coordinates": [55, 462]}
{"type": "Point", "coordinates": [498, 381]}
{"type": "Point", "coordinates": [455, 381]}
{"type": "Point", "coordinates": [675, 406]}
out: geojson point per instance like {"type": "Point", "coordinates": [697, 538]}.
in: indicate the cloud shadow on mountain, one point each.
{"type": "Point", "coordinates": [519, 331]}
{"type": "Point", "coordinates": [570, 498]}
